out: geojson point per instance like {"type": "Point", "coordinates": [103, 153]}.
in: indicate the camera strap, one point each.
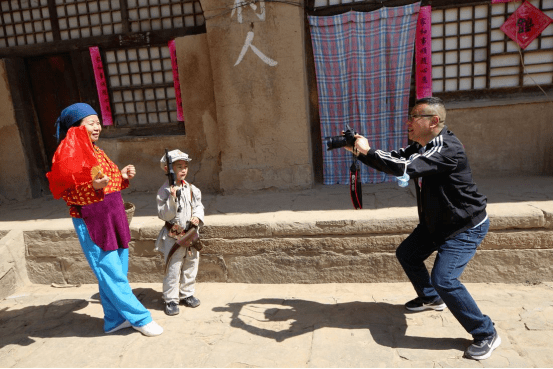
{"type": "Point", "coordinates": [355, 185]}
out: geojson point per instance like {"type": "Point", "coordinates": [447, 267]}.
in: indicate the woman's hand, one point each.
{"type": "Point", "coordinates": [195, 221]}
{"type": "Point", "coordinates": [99, 183]}
{"type": "Point", "coordinates": [361, 146]}
{"type": "Point", "coordinates": [128, 172]}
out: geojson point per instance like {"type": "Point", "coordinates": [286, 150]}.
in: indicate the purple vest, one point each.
{"type": "Point", "coordinates": [107, 222]}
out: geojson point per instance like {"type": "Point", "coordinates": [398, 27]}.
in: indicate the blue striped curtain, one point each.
{"type": "Point", "coordinates": [363, 65]}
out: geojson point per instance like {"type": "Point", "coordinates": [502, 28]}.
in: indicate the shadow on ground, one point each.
{"type": "Point", "coordinates": [57, 319]}
{"type": "Point", "coordinates": [61, 319]}
{"type": "Point", "coordinates": [386, 322]}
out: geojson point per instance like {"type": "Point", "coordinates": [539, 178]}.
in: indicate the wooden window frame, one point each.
{"type": "Point", "coordinates": [125, 39]}
{"type": "Point", "coordinates": [488, 93]}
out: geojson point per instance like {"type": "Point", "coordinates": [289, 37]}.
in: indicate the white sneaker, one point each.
{"type": "Point", "coordinates": [151, 329]}
{"type": "Point", "coordinates": [125, 324]}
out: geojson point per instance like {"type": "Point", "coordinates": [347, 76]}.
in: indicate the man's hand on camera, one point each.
{"type": "Point", "coordinates": [361, 146]}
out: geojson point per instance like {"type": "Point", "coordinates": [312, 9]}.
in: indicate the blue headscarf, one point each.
{"type": "Point", "coordinates": [70, 116]}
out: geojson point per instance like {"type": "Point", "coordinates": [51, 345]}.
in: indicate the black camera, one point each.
{"type": "Point", "coordinates": [346, 139]}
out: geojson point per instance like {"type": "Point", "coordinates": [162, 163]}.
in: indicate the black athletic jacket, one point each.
{"type": "Point", "coordinates": [448, 200]}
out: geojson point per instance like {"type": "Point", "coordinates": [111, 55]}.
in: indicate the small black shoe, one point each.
{"type": "Point", "coordinates": [172, 308]}
{"type": "Point", "coordinates": [482, 349]}
{"type": "Point", "coordinates": [419, 305]}
{"type": "Point", "coordinates": [191, 301]}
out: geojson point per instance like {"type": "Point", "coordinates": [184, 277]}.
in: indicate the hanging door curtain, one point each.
{"type": "Point", "coordinates": [363, 65]}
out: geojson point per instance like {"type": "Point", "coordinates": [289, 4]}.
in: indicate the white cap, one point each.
{"type": "Point", "coordinates": [175, 155]}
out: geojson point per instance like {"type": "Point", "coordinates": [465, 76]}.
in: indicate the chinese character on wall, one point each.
{"type": "Point", "coordinates": [237, 8]}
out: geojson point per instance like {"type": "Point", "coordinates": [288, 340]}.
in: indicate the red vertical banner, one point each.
{"type": "Point", "coordinates": [423, 72]}
{"type": "Point", "coordinates": [178, 98]}
{"type": "Point", "coordinates": [101, 85]}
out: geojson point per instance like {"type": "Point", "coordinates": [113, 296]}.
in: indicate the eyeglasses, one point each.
{"type": "Point", "coordinates": [411, 117]}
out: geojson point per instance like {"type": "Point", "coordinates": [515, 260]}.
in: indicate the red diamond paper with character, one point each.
{"type": "Point", "coordinates": [525, 24]}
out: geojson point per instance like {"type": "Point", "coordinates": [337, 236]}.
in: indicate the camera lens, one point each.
{"type": "Point", "coordinates": [336, 142]}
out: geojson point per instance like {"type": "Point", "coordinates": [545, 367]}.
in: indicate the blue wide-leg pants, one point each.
{"type": "Point", "coordinates": [110, 268]}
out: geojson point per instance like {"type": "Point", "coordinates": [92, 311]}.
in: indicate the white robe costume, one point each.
{"type": "Point", "coordinates": [180, 279]}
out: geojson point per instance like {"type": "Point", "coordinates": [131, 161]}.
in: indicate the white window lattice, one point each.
{"type": "Point", "coordinates": [465, 58]}
{"type": "Point", "coordinates": [141, 82]}
{"type": "Point", "coordinates": [83, 18]}
{"type": "Point", "coordinates": [461, 50]}
{"type": "Point", "coordinates": [25, 22]}
{"type": "Point", "coordinates": [154, 15]}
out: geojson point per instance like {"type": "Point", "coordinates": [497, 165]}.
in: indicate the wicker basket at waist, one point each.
{"type": "Point", "coordinates": [129, 209]}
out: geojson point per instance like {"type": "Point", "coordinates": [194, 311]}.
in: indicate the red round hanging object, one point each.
{"type": "Point", "coordinates": [525, 24]}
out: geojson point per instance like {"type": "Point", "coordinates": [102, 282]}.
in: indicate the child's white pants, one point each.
{"type": "Point", "coordinates": [180, 279]}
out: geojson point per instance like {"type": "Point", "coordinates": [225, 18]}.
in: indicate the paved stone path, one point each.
{"type": "Point", "coordinates": [277, 325]}
{"type": "Point", "coordinates": [287, 325]}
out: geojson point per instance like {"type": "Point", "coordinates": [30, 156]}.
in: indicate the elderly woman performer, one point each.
{"type": "Point", "coordinates": [91, 184]}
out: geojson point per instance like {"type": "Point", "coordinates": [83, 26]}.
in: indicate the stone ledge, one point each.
{"type": "Point", "coordinates": [493, 266]}
{"type": "Point", "coordinates": [515, 216]}
{"type": "Point", "coordinates": [51, 243]}
{"type": "Point", "coordinates": [514, 266]}
{"type": "Point", "coordinates": [388, 221]}
{"type": "Point", "coordinates": [8, 283]}
{"type": "Point", "coordinates": [307, 247]}
{"type": "Point", "coordinates": [311, 259]}
{"type": "Point", "coordinates": [547, 208]}
{"type": "Point", "coordinates": [521, 240]}
{"type": "Point", "coordinates": [13, 272]}
{"type": "Point", "coordinates": [303, 245]}
{"type": "Point", "coordinates": [254, 230]}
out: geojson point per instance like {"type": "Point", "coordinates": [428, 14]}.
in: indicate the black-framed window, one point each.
{"type": "Point", "coordinates": [132, 36]}
{"type": "Point", "coordinates": [25, 23]}
{"type": "Point", "coordinates": [40, 21]}
{"type": "Point", "coordinates": [471, 55]}
{"type": "Point", "coordinates": [163, 14]}
{"type": "Point", "coordinates": [141, 84]}
{"type": "Point", "coordinates": [81, 18]}
{"type": "Point", "coordinates": [471, 52]}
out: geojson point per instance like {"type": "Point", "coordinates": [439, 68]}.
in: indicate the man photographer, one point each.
{"type": "Point", "coordinates": [452, 219]}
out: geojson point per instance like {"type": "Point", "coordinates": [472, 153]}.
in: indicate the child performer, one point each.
{"type": "Point", "coordinates": [180, 204]}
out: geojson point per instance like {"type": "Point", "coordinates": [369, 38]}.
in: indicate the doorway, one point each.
{"type": "Point", "coordinates": [54, 86]}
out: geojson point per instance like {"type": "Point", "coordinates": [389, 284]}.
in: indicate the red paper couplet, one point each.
{"type": "Point", "coordinates": [525, 24]}
{"type": "Point", "coordinates": [424, 53]}
{"type": "Point", "coordinates": [176, 82]}
{"type": "Point", "coordinates": [101, 85]}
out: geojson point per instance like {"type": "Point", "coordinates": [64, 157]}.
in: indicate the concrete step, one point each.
{"type": "Point", "coordinates": [308, 236]}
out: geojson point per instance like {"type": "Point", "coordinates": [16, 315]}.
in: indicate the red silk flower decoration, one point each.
{"type": "Point", "coordinates": [74, 162]}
